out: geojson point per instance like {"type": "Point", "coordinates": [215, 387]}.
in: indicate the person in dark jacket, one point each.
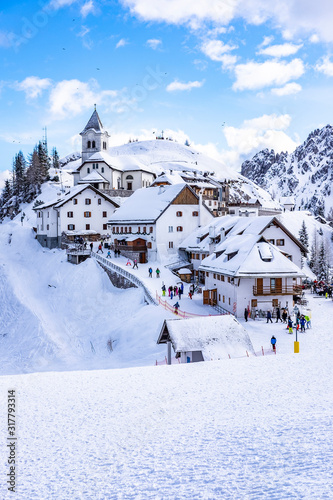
{"type": "Point", "coordinates": [269, 316]}
{"type": "Point", "coordinates": [246, 313]}
{"type": "Point", "coordinates": [278, 315]}
{"type": "Point", "coordinates": [176, 306]}
{"type": "Point", "coordinates": [290, 325]}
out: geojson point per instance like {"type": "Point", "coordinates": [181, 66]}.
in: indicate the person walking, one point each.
{"type": "Point", "coordinates": [302, 323]}
{"type": "Point", "coordinates": [157, 273]}
{"type": "Point", "coordinates": [163, 290]}
{"type": "Point", "coordinates": [290, 325]}
{"type": "Point", "coordinates": [100, 249]}
{"type": "Point", "coordinates": [278, 315]}
{"type": "Point", "coordinates": [108, 255]}
{"type": "Point", "coordinates": [135, 265]}
{"type": "Point", "coordinates": [269, 316]}
{"type": "Point", "coordinates": [246, 314]}
{"type": "Point", "coordinates": [284, 316]}
{"type": "Point", "coordinates": [91, 246]}
{"type": "Point", "coordinates": [273, 342]}
{"type": "Point", "coordinates": [150, 271]}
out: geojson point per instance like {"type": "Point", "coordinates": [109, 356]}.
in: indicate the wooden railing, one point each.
{"type": "Point", "coordinates": [277, 290]}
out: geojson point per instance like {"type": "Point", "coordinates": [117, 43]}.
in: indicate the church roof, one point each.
{"type": "Point", "coordinates": [94, 123]}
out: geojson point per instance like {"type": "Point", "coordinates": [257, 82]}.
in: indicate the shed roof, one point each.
{"type": "Point", "coordinates": [214, 336]}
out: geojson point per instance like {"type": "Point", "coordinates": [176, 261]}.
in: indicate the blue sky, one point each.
{"type": "Point", "coordinates": [232, 76]}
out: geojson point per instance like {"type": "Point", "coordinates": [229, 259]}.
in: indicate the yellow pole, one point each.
{"type": "Point", "coordinates": [296, 347]}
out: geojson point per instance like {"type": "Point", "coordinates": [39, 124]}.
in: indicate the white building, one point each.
{"type": "Point", "coordinates": [246, 271]}
{"type": "Point", "coordinates": [206, 240]}
{"type": "Point", "coordinates": [155, 221]}
{"type": "Point", "coordinates": [82, 211]}
{"type": "Point", "coordinates": [104, 171]}
{"type": "Point", "coordinates": [206, 338]}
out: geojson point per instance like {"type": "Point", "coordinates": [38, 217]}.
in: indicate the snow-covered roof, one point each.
{"type": "Point", "coordinates": [74, 191]}
{"type": "Point", "coordinates": [93, 176]}
{"type": "Point", "coordinates": [147, 204]}
{"type": "Point", "coordinates": [214, 336]}
{"type": "Point", "coordinates": [249, 255]}
{"type": "Point", "coordinates": [287, 200]}
{"type": "Point", "coordinates": [184, 270]}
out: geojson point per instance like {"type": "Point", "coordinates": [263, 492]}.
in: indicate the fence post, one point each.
{"type": "Point", "coordinates": [262, 350]}
{"type": "Point", "coordinates": [247, 354]}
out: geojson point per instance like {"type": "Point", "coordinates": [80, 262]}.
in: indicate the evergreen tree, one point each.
{"type": "Point", "coordinates": [322, 273]}
{"type": "Point", "coordinates": [44, 162]}
{"type": "Point", "coordinates": [303, 235]}
{"type": "Point", "coordinates": [55, 159]}
{"type": "Point", "coordinates": [313, 262]}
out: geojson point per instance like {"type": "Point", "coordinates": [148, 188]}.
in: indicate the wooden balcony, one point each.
{"type": "Point", "coordinates": [278, 290]}
{"type": "Point", "coordinates": [131, 248]}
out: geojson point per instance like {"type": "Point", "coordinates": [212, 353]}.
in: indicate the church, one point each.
{"type": "Point", "coordinates": [104, 171]}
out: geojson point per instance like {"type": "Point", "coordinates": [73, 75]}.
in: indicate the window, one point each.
{"type": "Point", "coordinates": [222, 278]}
{"type": "Point", "coordinates": [143, 184]}
{"type": "Point", "coordinates": [149, 244]}
{"type": "Point", "coordinates": [139, 229]}
{"type": "Point", "coordinates": [228, 279]}
{"type": "Point", "coordinates": [87, 227]}
{"type": "Point", "coordinates": [71, 227]}
{"type": "Point", "coordinates": [104, 145]}
{"type": "Point", "coordinates": [151, 229]}
{"type": "Point", "coordinates": [179, 214]}
{"type": "Point", "coordinates": [117, 229]}
{"type": "Point", "coordinates": [99, 201]}
{"type": "Point", "coordinates": [125, 229]}
{"type": "Point", "coordinates": [69, 214]}
{"type": "Point", "coordinates": [271, 241]}
{"type": "Point", "coordinates": [223, 298]}
{"type": "Point", "coordinates": [75, 201]}
{"type": "Point", "coordinates": [129, 229]}
{"type": "Point", "coordinates": [48, 215]}
{"type": "Point", "coordinates": [129, 177]}
{"type": "Point", "coordinates": [47, 226]}
{"type": "Point", "coordinates": [129, 186]}
{"type": "Point", "coordinates": [105, 226]}
{"type": "Point", "coordinates": [93, 166]}
{"type": "Point", "coordinates": [214, 276]}
{"type": "Point", "coordinates": [179, 228]}
{"type": "Point", "coordinates": [219, 298]}
{"type": "Point", "coordinates": [102, 170]}
{"type": "Point", "coordinates": [144, 229]}
{"type": "Point", "coordinates": [88, 170]}
{"type": "Point", "coordinates": [219, 277]}
{"type": "Point", "coordinates": [197, 256]}
{"type": "Point", "coordinates": [121, 229]}
{"type": "Point", "coordinates": [275, 302]}
{"type": "Point", "coordinates": [254, 303]}
{"type": "Point", "coordinates": [87, 214]}
{"type": "Point", "coordinates": [170, 229]}
{"type": "Point", "coordinates": [87, 201]}
{"type": "Point", "coordinates": [229, 301]}
{"type": "Point", "coordinates": [93, 144]}
{"type": "Point", "coordinates": [105, 214]}
{"type": "Point", "coordinates": [195, 214]}
{"type": "Point", "coordinates": [207, 275]}
{"type": "Point", "coordinates": [272, 284]}
{"type": "Point", "coordinates": [89, 145]}
{"type": "Point", "coordinates": [170, 244]}
{"type": "Point", "coordinates": [280, 243]}
{"type": "Point", "coordinates": [113, 230]}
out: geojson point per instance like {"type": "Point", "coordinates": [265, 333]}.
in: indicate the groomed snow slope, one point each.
{"type": "Point", "coordinates": [252, 428]}
{"type": "Point", "coordinates": [55, 315]}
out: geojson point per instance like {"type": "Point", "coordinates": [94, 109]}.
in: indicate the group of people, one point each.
{"type": "Point", "coordinates": [176, 290]}
{"type": "Point", "coordinates": [150, 272]}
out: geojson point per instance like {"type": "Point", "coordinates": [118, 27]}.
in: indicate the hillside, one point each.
{"type": "Point", "coordinates": [307, 173]}
{"type": "Point", "coordinates": [161, 155]}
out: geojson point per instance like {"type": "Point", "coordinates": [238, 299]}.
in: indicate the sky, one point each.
{"type": "Point", "coordinates": [231, 76]}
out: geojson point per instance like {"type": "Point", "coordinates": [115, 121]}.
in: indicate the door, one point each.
{"type": "Point", "coordinates": [206, 297]}
{"type": "Point", "coordinates": [278, 285]}
{"type": "Point", "coordinates": [142, 258]}
{"type": "Point", "coordinates": [260, 286]}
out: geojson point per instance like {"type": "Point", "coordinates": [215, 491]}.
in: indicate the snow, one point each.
{"type": "Point", "coordinates": [255, 428]}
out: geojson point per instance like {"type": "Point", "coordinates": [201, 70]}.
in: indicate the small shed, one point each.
{"type": "Point", "coordinates": [185, 274]}
{"type": "Point", "coordinates": [206, 338]}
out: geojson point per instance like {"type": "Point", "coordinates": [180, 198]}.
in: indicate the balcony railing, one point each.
{"type": "Point", "coordinates": [277, 290]}
{"type": "Point", "coordinates": [132, 248]}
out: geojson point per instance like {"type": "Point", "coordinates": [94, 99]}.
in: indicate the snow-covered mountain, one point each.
{"type": "Point", "coordinates": [306, 174]}
{"type": "Point", "coordinates": [163, 155]}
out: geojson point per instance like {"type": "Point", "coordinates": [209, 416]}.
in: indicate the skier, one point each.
{"type": "Point", "coordinates": [273, 342]}
{"type": "Point", "coordinates": [176, 306]}
{"type": "Point", "coordinates": [135, 265]}
{"type": "Point", "coordinates": [100, 249]}
{"type": "Point", "coordinates": [150, 271]}
{"type": "Point", "coordinates": [290, 325]}
{"type": "Point", "coordinates": [108, 255]}
{"type": "Point", "coordinates": [163, 290]}
{"type": "Point", "coordinates": [269, 316]}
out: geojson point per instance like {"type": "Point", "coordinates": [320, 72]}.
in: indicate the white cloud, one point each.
{"type": "Point", "coordinates": [283, 50]}
{"type": "Point", "coordinates": [325, 66]}
{"type": "Point", "coordinates": [88, 8]}
{"type": "Point", "coordinates": [314, 39]}
{"type": "Point", "coordinates": [216, 49]}
{"type": "Point", "coordinates": [267, 131]}
{"type": "Point", "coordinates": [267, 40]}
{"type": "Point", "coordinates": [4, 175]}
{"type": "Point", "coordinates": [71, 97]}
{"type": "Point", "coordinates": [33, 86]}
{"type": "Point", "coordinates": [58, 4]}
{"type": "Point", "coordinates": [154, 43]}
{"type": "Point", "coordinates": [176, 85]}
{"type": "Point", "coordinates": [122, 42]}
{"type": "Point", "coordinates": [4, 40]}
{"type": "Point", "coordinates": [253, 75]}
{"type": "Point", "coordinates": [296, 17]}
{"type": "Point", "coordinates": [288, 89]}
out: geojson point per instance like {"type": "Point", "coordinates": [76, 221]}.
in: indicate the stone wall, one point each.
{"type": "Point", "coordinates": [116, 279]}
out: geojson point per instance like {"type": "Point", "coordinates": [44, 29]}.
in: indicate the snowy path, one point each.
{"type": "Point", "coordinates": [249, 428]}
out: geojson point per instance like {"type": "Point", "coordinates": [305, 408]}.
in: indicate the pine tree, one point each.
{"type": "Point", "coordinates": [44, 162]}
{"type": "Point", "coordinates": [313, 262]}
{"type": "Point", "coordinates": [55, 159]}
{"type": "Point", "coordinates": [19, 167]}
{"type": "Point", "coordinates": [303, 235]}
{"type": "Point", "coordinates": [322, 273]}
